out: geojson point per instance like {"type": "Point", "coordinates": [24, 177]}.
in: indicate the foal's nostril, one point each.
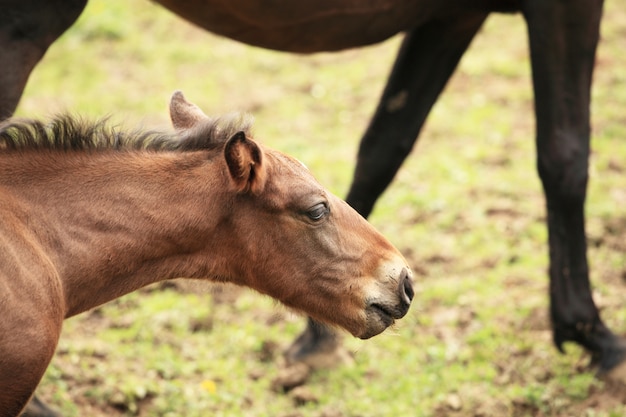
{"type": "Point", "coordinates": [405, 288]}
{"type": "Point", "coordinates": [408, 288]}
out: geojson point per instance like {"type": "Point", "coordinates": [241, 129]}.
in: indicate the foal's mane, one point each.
{"type": "Point", "coordinates": [70, 133]}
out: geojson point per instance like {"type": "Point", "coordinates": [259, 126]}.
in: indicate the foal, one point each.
{"type": "Point", "coordinates": [90, 214]}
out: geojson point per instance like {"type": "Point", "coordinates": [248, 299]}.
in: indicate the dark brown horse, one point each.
{"type": "Point", "coordinates": [89, 214]}
{"type": "Point", "coordinates": [563, 37]}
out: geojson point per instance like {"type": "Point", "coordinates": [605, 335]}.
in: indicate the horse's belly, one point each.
{"type": "Point", "coordinates": [305, 26]}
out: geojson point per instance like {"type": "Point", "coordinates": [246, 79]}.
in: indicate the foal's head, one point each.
{"type": "Point", "coordinates": [292, 239]}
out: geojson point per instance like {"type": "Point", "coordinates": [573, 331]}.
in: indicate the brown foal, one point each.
{"type": "Point", "coordinates": [90, 214]}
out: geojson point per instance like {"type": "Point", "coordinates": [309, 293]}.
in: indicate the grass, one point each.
{"type": "Point", "coordinates": [466, 209]}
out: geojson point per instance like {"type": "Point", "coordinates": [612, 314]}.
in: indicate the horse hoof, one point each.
{"type": "Point", "coordinates": [318, 348]}
{"type": "Point", "coordinates": [611, 364]}
{"type": "Point", "coordinates": [614, 389]}
{"type": "Point", "coordinates": [617, 375]}
{"type": "Point", "coordinates": [37, 408]}
{"type": "Point", "coordinates": [320, 359]}
{"type": "Point", "coordinates": [290, 377]}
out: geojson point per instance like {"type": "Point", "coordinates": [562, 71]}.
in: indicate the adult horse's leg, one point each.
{"type": "Point", "coordinates": [27, 29]}
{"type": "Point", "coordinates": [563, 38]}
{"type": "Point", "coordinates": [425, 62]}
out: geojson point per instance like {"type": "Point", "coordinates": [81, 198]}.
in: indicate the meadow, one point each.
{"type": "Point", "coordinates": [466, 209]}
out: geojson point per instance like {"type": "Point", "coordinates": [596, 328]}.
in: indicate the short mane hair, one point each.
{"type": "Point", "coordinates": [71, 133]}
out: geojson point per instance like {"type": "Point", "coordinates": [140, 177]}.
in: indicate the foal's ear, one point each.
{"type": "Point", "coordinates": [184, 114]}
{"type": "Point", "coordinates": [245, 163]}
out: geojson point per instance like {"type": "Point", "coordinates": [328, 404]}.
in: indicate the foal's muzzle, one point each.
{"type": "Point", "coordinates": [383, 311]}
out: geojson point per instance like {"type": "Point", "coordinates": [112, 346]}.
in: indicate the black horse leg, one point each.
{"type": "Point", "coordinates": [27, 29]}
{"type": "Point", "coordinates": [563, 38]}
{"type": "Point", "coordinates": [425, 62]}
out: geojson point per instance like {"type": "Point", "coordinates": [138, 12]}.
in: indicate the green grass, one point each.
{"type": "Point", "coordinates": [466, 209]}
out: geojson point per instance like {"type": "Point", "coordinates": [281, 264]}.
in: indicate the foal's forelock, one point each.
{"type": "Point", "coordinates": [70, 133]}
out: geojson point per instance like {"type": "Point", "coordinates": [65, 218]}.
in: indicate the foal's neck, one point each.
{"type": "Point", "coordinates": [115, 221]}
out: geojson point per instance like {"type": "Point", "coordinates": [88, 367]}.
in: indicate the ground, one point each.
{"type": "Point", "coordinates": [466, 210]}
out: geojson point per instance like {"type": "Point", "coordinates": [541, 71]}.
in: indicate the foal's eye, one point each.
{"type": "Point", "coordinates": [317, 212]}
